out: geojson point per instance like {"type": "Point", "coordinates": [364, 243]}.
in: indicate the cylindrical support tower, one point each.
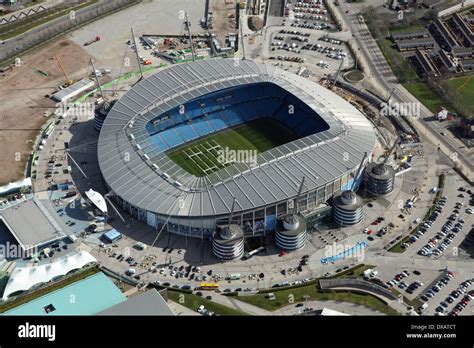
{"type": "Point", "coordinates": [379, 179]}
{"type": "Point", "coordinates": [228, 242]}
{"type": "Point", "coordinates": [347, 208]}
{"type": "Point", "coordinates": [291, 232]}
{"type": "Point", "coordinates": [101, 113]}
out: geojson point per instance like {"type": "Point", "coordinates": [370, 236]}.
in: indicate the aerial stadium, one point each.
{"type": "Point", "coordinates": [161, 147]}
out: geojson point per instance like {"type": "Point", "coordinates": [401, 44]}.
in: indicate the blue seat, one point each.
{"type": "Point", "coordinates": [162, 146]}
{"type": "Point", "coordinates": [216, 122]}
{"type": "Point", "coordinates": [186, 132]}
{"type": "Point", "coordinates": [202, 127]}
{"type": "Point", "coordinates": [231, 116]}
{"type": "Point", "coordinates": [178, 118]}
{"type": "Point", "coordinates": [171, 138]}
{"type": "Point", "coordinates": [227, 108]}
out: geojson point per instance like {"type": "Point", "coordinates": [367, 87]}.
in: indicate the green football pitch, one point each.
{"type": "Point", "coordinates": [213, 152]}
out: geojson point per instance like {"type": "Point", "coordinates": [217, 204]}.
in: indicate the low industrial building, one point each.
{"type": "Point", "coordinates": [112, 236]}
{"type": "Point", "coordinates": [146, 303]}
{"type": "Point", "coordinates": [467, 64]}
{"type": "Point", "coordinates": [31, 224]}
{"type": "Point", "coordinates": [462, 52]}
{"type": "Point", "coordinates": [73, 90]}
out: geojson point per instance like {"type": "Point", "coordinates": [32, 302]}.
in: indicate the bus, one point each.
{"type": "Point", "coordinates": [209, 286]}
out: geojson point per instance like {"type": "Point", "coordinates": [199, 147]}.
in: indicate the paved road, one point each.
{"type": "Point", "coordinates": [276, 7]}
{"type": "Point", "coordinates": [382, 78]}
{"type": "Point", "coordinates": [343, 307]}
{"type": "Point", "coordinates": [57, 26]}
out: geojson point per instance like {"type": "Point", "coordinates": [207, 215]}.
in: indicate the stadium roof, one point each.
{"type": "Point", "coordinates": [320, 157]}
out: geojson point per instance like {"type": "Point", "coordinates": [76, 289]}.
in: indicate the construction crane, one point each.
{"type": "Point", "coordinates": [299, 194]}
{"type": "Point", "coordinates": [359, 170]}
{"type": "Point", "coordinates": [241, 37]}
{"type": "Point", "coordinates": [391, 149]}
{"type": "Point", "coordinates": [136, 52]}
{"type": "Point", "coordinates": [187, 23]}
{"type": "Point", "coordinates": [97, 80]}
{"type": "Point", "coordinates": [68, 80]}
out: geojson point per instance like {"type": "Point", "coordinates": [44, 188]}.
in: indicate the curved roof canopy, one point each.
{"type": "Point", "coordinates": [148, 180]}
{"type": "Point", "coordinates": [24, 278]}
{"type": "Point", "coordinates": [97, 199]}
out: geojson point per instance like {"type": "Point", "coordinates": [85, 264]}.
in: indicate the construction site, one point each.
{"type": "Point", "coordinates": [190, 31]}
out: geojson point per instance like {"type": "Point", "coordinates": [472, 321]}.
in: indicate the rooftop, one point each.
{"type": "Point", "coordinates": [74, 88]}
{"type": "Point", "coordinates": [31, 224]}
{"type": "Point", "coordinates": [146, 303]}
{"type": "Point", "coordinates": [91, 295]}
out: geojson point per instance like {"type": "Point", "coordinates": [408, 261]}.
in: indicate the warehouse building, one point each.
{"type": "Point", "coordinates": [73, 90]}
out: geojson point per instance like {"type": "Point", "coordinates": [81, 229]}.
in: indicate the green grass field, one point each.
{"type": "Point", "coordinates": [193, 302]}
{"type": "Point", "coordinates": [282, 299]}
{"type": "Point", "coordinates": [461, 91]}
{"type": "Point", "coordinates": [425, 95]}
{"type": "Point", "coordinates": [202, 157]}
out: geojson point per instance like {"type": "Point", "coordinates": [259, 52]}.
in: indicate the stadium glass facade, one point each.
{"type": "Point", "coordinates": [256, 222]}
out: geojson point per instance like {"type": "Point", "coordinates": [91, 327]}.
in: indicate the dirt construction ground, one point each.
{"type": "Point", "coordinates": [23, 90]}
{"type": "Point", "coordinates": [23, 102]}
{"type": "Point", "coordinates": [224, 18]}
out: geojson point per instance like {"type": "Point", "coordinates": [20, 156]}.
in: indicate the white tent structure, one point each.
{"type": "Point", "coordinates": [330, 312]}
{"type": "Point", "coordinates": [442, 115]}
{"type": "Point", "coordinates": [15, 185]}
{"type": "Point", "coordinates": [24, 278]}
{"type": "Point", "coordinates": [97, 199]}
